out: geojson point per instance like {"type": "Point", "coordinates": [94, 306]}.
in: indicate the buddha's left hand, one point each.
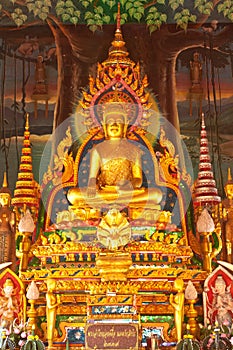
{"type": "Point", "coordinates": [125, 185]}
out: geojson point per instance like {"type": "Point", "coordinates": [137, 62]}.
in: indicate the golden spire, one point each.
{"type": "Point", "coordinates": [118, 70]}
{"type": "Point", "coordinates": [119, 16]}
{"type": "Point", "coordinates": [205, 191]}
{"type": "Point", "coordinates": [118, 52]}
{"type": "Point", "coordinates": [27, 122]}
{"type": "Point", "coordinates": [229, 185]}
{"type": "Point", "coordinates": [26, 192]}
{"type": "Point", "coordinates": [229, 177]}
{"type": "Point", "coordinates": [4, 184]}
{"type": "Point", "coordinates": [5, 188]}
{"type": "Point", "coordinates": [118, 49]}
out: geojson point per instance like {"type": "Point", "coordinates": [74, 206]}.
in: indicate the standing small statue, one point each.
{"type": "Point", "coordinates": [228, 209]}
{"type": "Point", "coordinates": [40, 77]}
{"type": "Point", "coordinates": [229, 235]}
{"type": "Point", "coordinates": [9, 305]}
{"type": "Point", "coordinates": [7, 226]}
{"type": "Point", "coordinates": [196, 89]}
{"type": "Point", "coordinates": [177, 302]}
{"type": "Point", "coordinates": [222, 304]}
{"type": "Point", "coordinates": [52, 302]}
{"type": "Point", "coordinates": [196, 71]}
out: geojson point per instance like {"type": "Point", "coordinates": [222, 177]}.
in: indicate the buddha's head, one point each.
{"type": "Point", "coordinates": [114, 121]}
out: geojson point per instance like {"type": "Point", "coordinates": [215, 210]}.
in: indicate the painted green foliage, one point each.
{"type": "Point", "coordinates": [96, 13]}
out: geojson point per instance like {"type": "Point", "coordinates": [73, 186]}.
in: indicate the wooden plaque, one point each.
{"type": "Point", "coordinates": [105, 336]}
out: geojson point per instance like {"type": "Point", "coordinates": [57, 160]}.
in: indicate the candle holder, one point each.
{"type": "Point", "coordinates": [32, 315]}
{"type": "Point", "coordinates": [191, 296]}
{"type": "Point", "coordinates": [192, 318]}
{"type": "Point", "coordinates": [26, 227]}
{"type": "Point", "coordinates": [32, 295]}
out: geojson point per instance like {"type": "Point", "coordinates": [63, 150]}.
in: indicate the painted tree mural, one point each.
{"type": "Point", "coordinates": [157, 33]}
{"type": "Point", "coordinates": [82, 31]}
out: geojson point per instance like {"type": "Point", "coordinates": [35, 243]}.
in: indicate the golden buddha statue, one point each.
{"type": "Point", "coordinates": [52, 303]}
{"type": "Point", "coordinates": [177, 302]}
{"type": "Point", "coordinates": [115, 176]}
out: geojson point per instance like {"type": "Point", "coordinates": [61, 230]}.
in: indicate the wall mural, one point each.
{"type": "Point", "coordinates": [105, 95]}
{"type": "Point", "coordinates": [47, 53]}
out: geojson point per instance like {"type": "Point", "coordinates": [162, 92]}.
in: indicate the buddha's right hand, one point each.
{"type": "Point", "coordinates": [91, 192]}
{"type": "Point", "coordinates": [91, 188]}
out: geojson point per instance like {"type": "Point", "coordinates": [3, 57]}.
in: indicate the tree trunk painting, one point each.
{"type": "Point", "coordinates": [78, 49]}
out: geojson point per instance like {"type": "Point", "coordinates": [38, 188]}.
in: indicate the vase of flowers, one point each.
{"type": "Point", "coordinates": [17, 333]}
{"type": "Point", "coordinates": [13, 337]}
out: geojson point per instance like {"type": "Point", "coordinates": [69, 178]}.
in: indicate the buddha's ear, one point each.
{"type": "Point", "coordinates": [125, 130]}
{"type": "Point", "coordinates": [105, 130]}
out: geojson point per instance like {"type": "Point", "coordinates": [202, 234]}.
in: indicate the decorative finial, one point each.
{"type": "Point", "coordinates": [4, 184]}
{"type": "Point", "coordinates": [190, 291]}
{"type": "Point", "coordinates": [26, 223]}
{"type": "Point", "coordinates": [229, 177]}
{"type": "Point", "coordinates": [203, 120]}
{"type": "Point", "coordinates": [5, 188]}
{"type": "Point", "coordinates": [33, 291]}
{"type": "Point", "coordinates": [205, 223]}
{"type": "Point", "coordinates": [26, 191]}
{"type": "Point", "coordinates": [205, 191]}
{"type": "Point", "coordinates": [119, 16]}
{"type": "Point", "coordinates": [118, 51]}
{"type": "Point", "coordinates": [27, 122]}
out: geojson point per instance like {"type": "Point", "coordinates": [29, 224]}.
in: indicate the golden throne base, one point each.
{"type": "Point", "coordinates": [113, 266]}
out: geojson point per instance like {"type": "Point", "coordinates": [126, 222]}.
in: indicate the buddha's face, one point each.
{"type": "Point", "coordinates": [114, 124]}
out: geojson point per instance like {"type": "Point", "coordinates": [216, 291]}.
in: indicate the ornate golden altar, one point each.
{"type": "Point", "coordinates": [113, 261]}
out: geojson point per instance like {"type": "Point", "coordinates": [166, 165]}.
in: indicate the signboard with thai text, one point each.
{"type": "Point", "coordinates": [104, 336]}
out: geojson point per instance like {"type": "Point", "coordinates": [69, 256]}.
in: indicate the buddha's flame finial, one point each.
{"type": "Point", "coordinates": [118, 50]}
{"type": "Point", "coordinates": [119, 16]}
